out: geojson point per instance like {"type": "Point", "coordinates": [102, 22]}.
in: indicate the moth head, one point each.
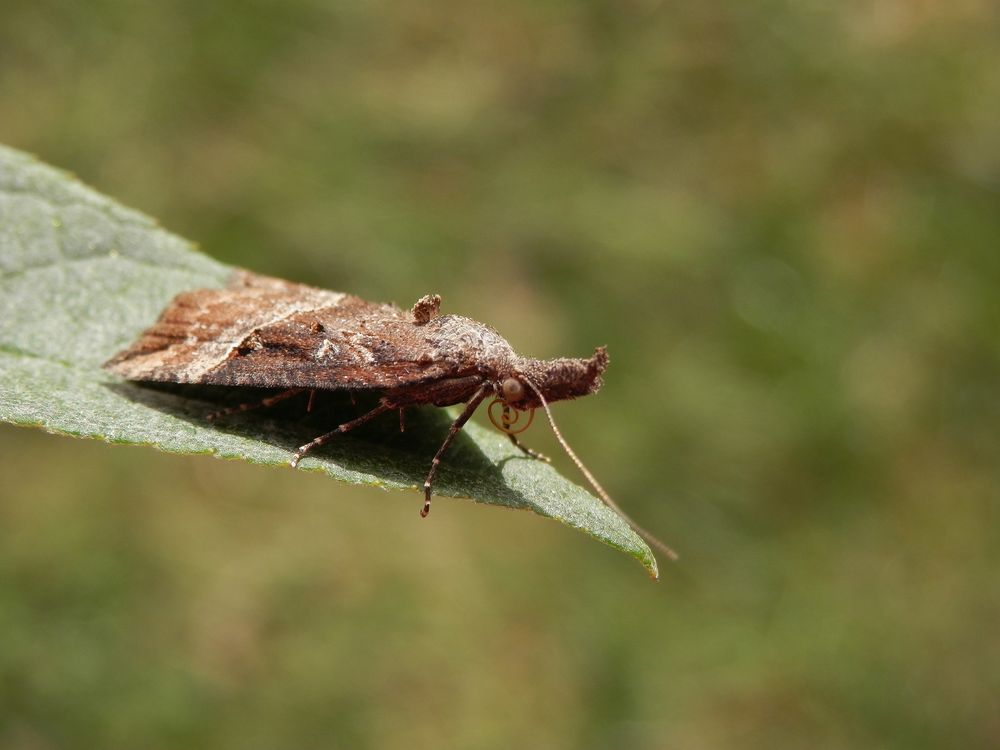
{"type": "Point", "coordinates": [556, 379]}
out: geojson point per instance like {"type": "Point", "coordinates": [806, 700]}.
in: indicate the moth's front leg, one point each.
{"type": "Point", "coordinates": [484, 390]}
{"type": "Point", "coordinates": [530, 452]}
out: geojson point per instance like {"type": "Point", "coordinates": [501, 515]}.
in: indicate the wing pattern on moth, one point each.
{"type": "Point", "coordinates": [269, 333]}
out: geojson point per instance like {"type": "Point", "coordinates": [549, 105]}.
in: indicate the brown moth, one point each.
{"type": "Point", "coordinates": [269, 333]}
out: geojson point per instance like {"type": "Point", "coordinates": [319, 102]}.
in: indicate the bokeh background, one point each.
{"type": "Point", "coordinates": [783, 218]}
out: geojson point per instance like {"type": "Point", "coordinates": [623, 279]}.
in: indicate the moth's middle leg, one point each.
{"type": "Point", "coordinates": [345, 427]}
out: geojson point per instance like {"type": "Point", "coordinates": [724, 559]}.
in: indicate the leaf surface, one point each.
{"type": "Point", "coordinates": [82, 276]}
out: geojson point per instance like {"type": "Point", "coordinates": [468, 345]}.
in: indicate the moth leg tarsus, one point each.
{"type": "Point", "coordinates": [251, 405]}
{"type": "Point", "coordinates": [456, 426]}
{"type": "Point", "coordinates": [530, 452]}
{"type": "Point", "coordinates": [345, 427]}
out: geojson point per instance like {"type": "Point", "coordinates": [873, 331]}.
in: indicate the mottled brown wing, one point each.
{"type": "Point", "coordinates": [271, 333]}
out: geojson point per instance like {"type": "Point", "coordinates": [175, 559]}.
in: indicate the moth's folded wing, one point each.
{"type": "Point", "coordinates": [201, 329]}
{"type": "Point", "coordinates": [358, 346]}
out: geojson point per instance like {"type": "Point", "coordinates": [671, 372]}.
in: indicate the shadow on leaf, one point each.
{"type": "Point", "coordinates": [378, 449]}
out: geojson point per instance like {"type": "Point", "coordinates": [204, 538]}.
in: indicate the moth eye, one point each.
{"type": "Point", "coordinates": [512, 389]}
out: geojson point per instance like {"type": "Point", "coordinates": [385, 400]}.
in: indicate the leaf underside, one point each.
{"type": "Point", "coordinates": [81, 277]}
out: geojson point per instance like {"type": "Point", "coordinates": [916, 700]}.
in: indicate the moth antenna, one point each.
{"type": "Point", "coordinates": [605, 497]}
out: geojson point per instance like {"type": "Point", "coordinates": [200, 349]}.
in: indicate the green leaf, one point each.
{"type": "Point", "coordinates": [81, 277]}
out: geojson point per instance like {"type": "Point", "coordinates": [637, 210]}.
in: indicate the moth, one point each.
{"type": "Point", "coordinates": [265, 332]}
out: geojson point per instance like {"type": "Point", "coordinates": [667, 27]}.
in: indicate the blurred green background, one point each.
{"type": "Point", "coordinates": [783, 218]}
